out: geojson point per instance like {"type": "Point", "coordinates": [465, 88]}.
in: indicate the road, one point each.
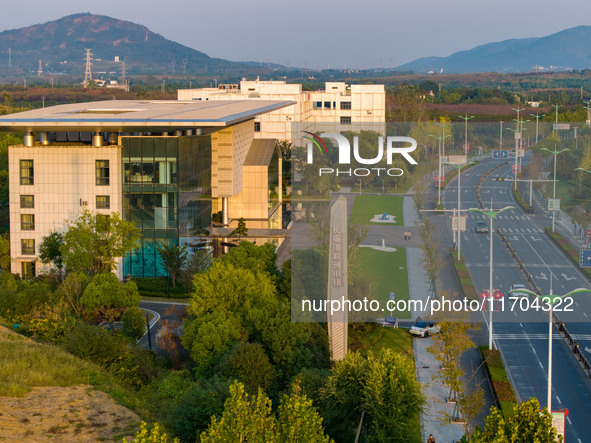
{"type": "Point", "coordinates": [168, 311]}
{"type": "Point", "coordinates": [522, 334]}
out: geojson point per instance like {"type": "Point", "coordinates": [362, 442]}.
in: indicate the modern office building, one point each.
{"type": "Point", "coordinates": [338, 104]}
{"type": "Point", "coordinates": [168, 166]}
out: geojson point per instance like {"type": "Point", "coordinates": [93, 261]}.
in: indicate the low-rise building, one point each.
{"type": "Point", "coordinates": [338, 107]}
{"type": "Point", "coordinates": [168, 166]}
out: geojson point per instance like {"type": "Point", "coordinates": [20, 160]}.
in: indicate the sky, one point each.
{"type": "Point", "coordinates": [322, 33]}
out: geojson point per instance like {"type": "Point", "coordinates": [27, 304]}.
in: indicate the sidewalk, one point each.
{"type": "Point", "coordinates": [425, 363]}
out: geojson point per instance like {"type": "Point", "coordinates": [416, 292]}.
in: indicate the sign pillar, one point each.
{"type": "Point", "coordinates": [338, 280]}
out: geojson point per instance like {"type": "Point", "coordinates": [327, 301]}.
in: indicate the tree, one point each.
{"type": "Point", "coordinates": [447, 348]}
{"type": "Point", "coordinates": [50, 250]}
{"type": "Point", "coordinates": [134, 323]}
{"type": "Point", "coordinates": [248, 363]}
{"type": "Point", "coordinates": [241, 230]}
{"type": "Point", "coordinates": [93, 242]}
{"type": "Point", "coordinates": [173, 258]}
{"type": "Point", "coordinates": [105, 292]}
{"type": "Point", "coordinates": [5, 258]}
{"type": "Point", "coordinates": [250, 418]}
{"type": "Point", "coordinates": [71, 289]}
{"type": "Point", "coordinates": [526, 425]}
{"type": "Point", "coordinates": [383, 385]}
{"type": "Point", "coordinates": [156, 434]}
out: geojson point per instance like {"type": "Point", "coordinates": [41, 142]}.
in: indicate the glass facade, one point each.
{"type": "Point", "coordinates": [166, 193]}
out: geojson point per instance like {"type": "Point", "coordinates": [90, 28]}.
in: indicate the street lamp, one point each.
{"type": "Point", "coordinates": [538, 117]}
{"type": "Point", "coordinates": [588, 108]}
{"type": "Point", "coordinates": [551, 299]}
{"type": "Point", "coordinates": [443, 135]}
{"type": "Point", "coordinates": [517, 137]}
{"type": "Point", "coordinates": [466, 118]}
{"type": "Point", "coordinates": [439, 173]}
{"type": "Point", "coordinates": [556, 125]}
{"type": "Point", "coordinates": [459, 168]}
{"type": "Point", "coordinates": [554, 153]}
{"type": "Point", "coordinates": [491, 214]}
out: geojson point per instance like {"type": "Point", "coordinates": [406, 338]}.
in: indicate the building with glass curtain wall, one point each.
{"type": "Point", "coordinates": [166, 166]}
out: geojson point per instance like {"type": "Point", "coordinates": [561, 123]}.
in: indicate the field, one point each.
{"type": "Point", "coordinates": [387, 272]}
{"type": "Point", "coordinates": [367, 206]}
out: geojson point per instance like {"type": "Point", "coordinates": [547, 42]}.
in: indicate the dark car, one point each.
{"type": "Point", "coordinates": [481, 227]}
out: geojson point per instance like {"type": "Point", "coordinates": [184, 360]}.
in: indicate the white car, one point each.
{"type": "Point", "coordinates": [424, 328]}
{"type": "Point", "coordinates": [517, 287]}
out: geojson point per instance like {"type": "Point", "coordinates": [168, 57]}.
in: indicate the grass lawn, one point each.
{"type": "Point", "coordinates": [367, 206]}
{"type": "Point", "coordinates": [374, 338]}
{"type": "Point", "coordinates": [565, 190]}
{"type": "Point", "coordinates": [387, 273]}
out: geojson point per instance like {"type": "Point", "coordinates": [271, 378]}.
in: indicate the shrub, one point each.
{"type": "Point", "coordinates": [134, 323]}
{"type": "Point", "coordinates": [204, 401]}
{"type": "Point", "coordinates": [134, 366]}
{"type": "Point", "coordinates": [105, 291]}
{"type": "Point", "coordinates": [151, 435]}
{"type": "Point", "coordinates": [95, 344]}
{"type": "Point", "coordinates": [248, 363]}
{"type": "Point", "coordinates": [51, 323]}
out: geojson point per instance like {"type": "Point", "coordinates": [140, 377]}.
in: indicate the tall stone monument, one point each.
{"type": "Point", "coordinates": [337, 280]}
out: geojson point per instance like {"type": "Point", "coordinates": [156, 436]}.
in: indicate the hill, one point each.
{"type": "Point", "coordinates": [44, 391]}
{"type": "Point", "coordinates": [564, 50]}
{"type": "Point", "coordinates": [61, 45]}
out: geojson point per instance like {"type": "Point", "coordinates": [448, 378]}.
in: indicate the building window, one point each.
{"type": "Point", "coordinates": [27, 222]}
{"type": "Point", "coordinates": [345, 105]}
{"type": "Point", "coordinates": [317, 105]}
{"type": "Point", "coordinates": [26, 171]}
{"type": "Point", "coordinates": [257, 126]}
{"type": "Point", "coordinates": [345, 120]}
{"type": "Point", "coordinates": [27, 270]}
{"type": "Point", "coordinates": [103, 202]}
{"type": "Point", "coordinates": [326, 105]}
{"type": "Point", "coordinates": [28, 246]}
{"type": "Point", "coordinates": [27, 201]}
{"type": "Point", "coordinates": [102, 172]}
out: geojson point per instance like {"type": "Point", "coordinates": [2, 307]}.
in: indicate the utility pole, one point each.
{"type": "Point", "coordinates": [538, 117]}
{"type": "Point", "coordinates": [40, 70]}
{"type": "Point", "coordinates": [88, 72]}
{"type": "Point", "coordinates": [466, 118]}
{"type": "Point", "coordinates": [9, 58]}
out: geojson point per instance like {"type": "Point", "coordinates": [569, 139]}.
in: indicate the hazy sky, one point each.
{"type": "Point", "coordinates": [322, 33]}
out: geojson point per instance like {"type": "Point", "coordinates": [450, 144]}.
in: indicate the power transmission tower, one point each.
{"type": "Point", "coordinates": [88, 73]}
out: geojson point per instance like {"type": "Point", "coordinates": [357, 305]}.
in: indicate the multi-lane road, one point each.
{"type": "Point", "coordinates": [521, 333]}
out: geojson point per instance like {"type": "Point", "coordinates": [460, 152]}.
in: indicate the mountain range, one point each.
{"type": "Point", "coordinates": [60, 46]}
{"type": "Point", "coordinates": [564, 50]}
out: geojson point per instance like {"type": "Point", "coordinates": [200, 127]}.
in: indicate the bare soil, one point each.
{"type": "Point", "coordinates": [65, 414]}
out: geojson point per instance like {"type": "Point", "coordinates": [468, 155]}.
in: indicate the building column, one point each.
{"type": "Point", "coordinates": [29, 139]}
{"type": "Point", "coordinates": [97, 139]}
{"type": "Point", "coordinates": [225, 216]}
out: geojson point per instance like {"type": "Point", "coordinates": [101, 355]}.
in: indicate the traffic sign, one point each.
{"type": "Point", "coordinates": [392, 296]}
{"type": "Point", "coordinates": [513, 168]}
{"type": "Point", "coordinates": [458, 222]}
{"type": "Point", "coordinates": [500, 154]}
{"type": "Point", "coordinates": [553, 204]}
{"type": "Point", "coordinates": [585, 258]}
{"type": "Point", "coordinates": [588, 232]}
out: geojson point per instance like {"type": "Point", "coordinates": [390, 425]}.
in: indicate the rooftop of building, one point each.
{"type": "Point", "coordinates": [138, 115]}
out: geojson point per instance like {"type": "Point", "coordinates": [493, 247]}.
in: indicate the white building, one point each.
{"type": "Point", "coordinates": [340, 105]}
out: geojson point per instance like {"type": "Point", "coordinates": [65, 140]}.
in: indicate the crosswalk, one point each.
{"type": "Point", "coordinates": [478, 216]}
{"type": "Point", "coordinates": [577, 337]}
{"type": "Point", "coordinates": [522, 230]}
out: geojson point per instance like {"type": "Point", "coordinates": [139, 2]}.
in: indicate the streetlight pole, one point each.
{"type": "Point", "coordinates": [556, 124]}
{"type": "Point", "coordinates": [459, 168]}
{"type": "Point", "coordinates": [538, 117]}
{"type": "Point", "coordinates": [491, 214]}
{"type": "Point", "coordinates": [551, 299]}
{"type": "Point", "coordinates": [588, 108]}
{"type": "Point", "coordinates": [466, 118]}
{"type": "Point", "coordinates": [555, 154]}
{"type": "Point", "coordinates": [439, 173]}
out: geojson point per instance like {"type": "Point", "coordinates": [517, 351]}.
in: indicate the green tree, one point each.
{"type": "Point", "coordinates": [261, 258]}
{"type": "Point", "coordinates": [528, 424]}
{"type": "Point", "coordinates": [134, 323]}
{"type": "Point", "coordinates": [250, 419]}
{"type": "Point", "coordinates": [248, 363]}
{"type": "Point", "coordinates": [383, 385]}
{"type": "Point", "coordinates": [50, 250]}
{"type": "Point", "coordinates": [154, 434]}
{"type": "Point", "coordinates": [241, 230]}
{"type": "Point", "coordinates": [5, 258]}
{"type": "Point", "coordinates": [93, 242]}
{"type": "Point", "coordinates": [244, 419]}
{"type": "Point", "coordinates": [173, 258]}
{"type": "Point", "coordinates": [105, 292]}
{"type": "Point", "coordinates": [71, 289]}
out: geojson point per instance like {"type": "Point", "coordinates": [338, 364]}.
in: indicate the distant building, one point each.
{"type": "Point", "coordinates": [339, 107]}
{"type": "Point", "coordinates": [168, 166]}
